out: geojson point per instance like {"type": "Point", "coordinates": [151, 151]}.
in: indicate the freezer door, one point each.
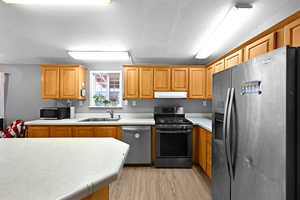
{"type": "Point", "coordinates": [258, 128]}
{"type": "Point", "coordinates": [221, 179]}
{"type": "Point", "coordinates": [221, 82]}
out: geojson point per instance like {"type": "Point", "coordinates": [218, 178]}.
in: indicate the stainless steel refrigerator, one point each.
{"type": "Point", "coordinates": [256, 108]}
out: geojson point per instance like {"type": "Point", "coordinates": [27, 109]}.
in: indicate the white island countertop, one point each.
{"type": "Point", "coordinates": [58, 168]}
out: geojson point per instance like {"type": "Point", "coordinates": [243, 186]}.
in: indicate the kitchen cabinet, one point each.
{"type": "Point", "coordinates": [131, 80]}
{"type": "Point", "coordinates": [146, 82]}
{"type": "Point", "coordinates": [260, 46]}
{"type": "Point", "coordinates": [234, 59]}
{"type": "Point", "coordinates": [209, 81]}
{"type": "Point", "coordinates": [209, 154]}
{"type": "Point", "coordinates": [162, 78]}
{"type": "Point", "coordinates": [202, 149]}
{"type": "Point", "coordinates": [38, 132]}
{"type": "Point", "coordinates": [74, 131]}
{"type": "Point", "coordinates": [219, 66]}
{"type": "Point", "coordinates": [50, 82]}
{"type": "Point", "coordinates": [61, 131]}
{"type": "Point", "coordinates": [180, 78]}
{"type": "Point", "coordinates": [292, 34]}
{"type": "Point", "coordinates": [102, 194]}
{"type": "Point", "coordinates": [107, 131]}
{"type": "Point", "coordinates": [82, 131]}
{"type": "Point", "coordinates": [197, 82]}
{"type": "Point", "coordinates": [63, 81]}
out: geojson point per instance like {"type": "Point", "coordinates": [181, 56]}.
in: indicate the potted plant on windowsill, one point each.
{"type": "Point", "coordinates": [100, 100]}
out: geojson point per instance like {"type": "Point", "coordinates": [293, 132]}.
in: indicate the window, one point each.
{"type": "Point", "coordinates": [106, 89]}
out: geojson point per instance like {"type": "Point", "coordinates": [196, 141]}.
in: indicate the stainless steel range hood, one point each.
{"type": "Point", "coordinates": [170, 95]}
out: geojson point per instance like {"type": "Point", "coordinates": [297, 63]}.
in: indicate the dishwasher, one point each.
{"type": "Point", "coordinates": [139, 139]}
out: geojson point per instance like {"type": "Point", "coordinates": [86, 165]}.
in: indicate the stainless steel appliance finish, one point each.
{"type": "Point", "coordinates": [139, 139]}
{"type": "Point", "coordinates": [173, 138]}
{"type": "Point", "coordinates": [254, 135]}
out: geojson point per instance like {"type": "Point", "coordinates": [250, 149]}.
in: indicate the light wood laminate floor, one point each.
{"type": "Point", "coordinates": [148, 183]}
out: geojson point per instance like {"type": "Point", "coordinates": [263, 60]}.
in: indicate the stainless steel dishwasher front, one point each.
{"type": "Point", "coordinates": [139, 139]}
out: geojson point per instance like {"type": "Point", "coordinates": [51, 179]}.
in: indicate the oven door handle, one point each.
{"type": "Point", "coordinates": [175, 132]}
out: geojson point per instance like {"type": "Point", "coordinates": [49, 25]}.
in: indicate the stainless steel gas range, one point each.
{"type": "Point", "coordinates": [173, 138]}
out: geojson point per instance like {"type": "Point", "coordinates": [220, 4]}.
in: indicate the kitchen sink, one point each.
{"type": "Point", "coordinates": [99, 119]}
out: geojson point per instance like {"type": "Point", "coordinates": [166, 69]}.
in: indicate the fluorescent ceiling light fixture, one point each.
{"type": "Point", "coordinates": [100, 55]}
{"type": "Point", "coordinates": [59, 2]}
{"type": "Point", "coordinates": [235, 18]}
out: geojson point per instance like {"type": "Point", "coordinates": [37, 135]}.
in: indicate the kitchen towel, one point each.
{"type": "Point", "coordinates": [2, 82]}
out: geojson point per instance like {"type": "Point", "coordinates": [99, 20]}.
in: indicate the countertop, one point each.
{"type": "Point", "coordinates": [199, 119]}
{"type": "Point", "coordinates": [58, 168]}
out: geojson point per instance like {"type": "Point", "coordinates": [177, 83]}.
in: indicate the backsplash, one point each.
{"type": "Point", "coordinates": [147, 106]}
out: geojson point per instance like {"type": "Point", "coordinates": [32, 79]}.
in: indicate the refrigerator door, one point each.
{"type": "Point", "coordinates": [221, 178]}
{"type": "Point", "coordinates": [221, 82]}
{"type": "Point", "coordinates": [258, 128]}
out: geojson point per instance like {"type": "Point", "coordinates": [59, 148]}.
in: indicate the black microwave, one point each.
{"type": "Point", "coordinates": [55, 113]}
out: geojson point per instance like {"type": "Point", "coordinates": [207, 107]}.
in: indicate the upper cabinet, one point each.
{"type": "Point", "coordinates": [234, 59]}
{"type": "Point", "coordinates": [219, 66]}
{"type": "Point", "coordinates": [260, 46]}
{"type": "Point", "coordinates": [131, 80]}
{"type": "Point", "coordinates": [146, 82]}
{"type": "Point", "coordinates": [197, 82]}
{"type": "Point", "coordinates": [162, 78]}
{"type": "Point", "coordinates": [292, 33]}
{"type": "Point", "coordinates": [63, 82]}
{"type": "Point", "coordinates": [50, 82]}
{"type": "Point", "coordinates": [180, 79]}
{"type": "Point", "coordinates": [209, 81]}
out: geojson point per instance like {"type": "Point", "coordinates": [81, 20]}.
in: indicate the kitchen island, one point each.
{"type": "Point", "coordinates": [59, 168]}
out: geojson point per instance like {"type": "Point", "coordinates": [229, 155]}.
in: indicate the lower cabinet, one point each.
{"type": "Point", "coordinates": [74, 131]}
{"type": "Point", "coordinates": [202, 146]}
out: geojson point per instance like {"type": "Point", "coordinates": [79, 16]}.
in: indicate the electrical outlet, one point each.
{"type": "Point", "coordinates": [133, 103]}
{"type": "Point", "coordinates": [204, 103]}
{"type": "Point", "coordinates": [125, 102]}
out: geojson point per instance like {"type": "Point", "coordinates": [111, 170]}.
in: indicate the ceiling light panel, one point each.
{"type": "Point", "coordinates": [235, 19]}
{"type": "Point", "coordinates": [60, 2]}
{"type": "Point", "coordinates": [100, 55]}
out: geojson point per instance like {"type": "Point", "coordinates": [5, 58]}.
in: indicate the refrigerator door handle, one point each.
{"type": "Point", "coordinates": [225, 129]}
{"type": "Point", "coordinates": [228, 143]}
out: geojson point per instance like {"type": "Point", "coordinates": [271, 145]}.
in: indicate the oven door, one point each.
{"type": "Point", "coordinates": [174, 143]}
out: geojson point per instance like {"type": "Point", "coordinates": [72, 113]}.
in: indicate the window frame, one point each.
{"type": "Point", "coordinates": [92, 89]}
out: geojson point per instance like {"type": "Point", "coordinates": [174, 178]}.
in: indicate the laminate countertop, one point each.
{"type": "Point", "coordinates": [58, 168]}
{"type": "Point", "coordinates": [203, 122]}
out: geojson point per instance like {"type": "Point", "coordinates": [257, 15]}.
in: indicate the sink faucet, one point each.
{"type": "Point", "coordinates": [111, 112]}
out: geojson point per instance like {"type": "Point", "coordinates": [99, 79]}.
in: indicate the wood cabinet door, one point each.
{"type": "Point", "coordinates": [197, 82]}
{"type": "Point", "coordinates": [209, 154]}
{"type": "Point", "coordinates": [260, 46]}
{"type": "Point", "coordinates": [146, 82]}
{"type": "Point", "coordinates": [107, 131]}
{"type": "Point", "coordinates": [61, 131]}
{"type": "Point", "coordinates": [202, 149]}
{"type": "Point", "coordinates": [38, 132]}
{"type": "Point", "coordinates": [82, 131]}
{"type": "Point", "coordinates": [131, 82]}
{"type": "Point", "coordinates": [209, 81]}
{"type": "Point", "coordinates": [219, 66]}
{"type": "Point", "coordinates": [50, 82]}
{"type": "Point", "coordinates": [180, 78]}
{"type": "Point", "coordinates": [162, 78]}
{"type": "Point", "coordinates": [69, 82]}
{"type": "Point", "coordinates": [292, 34]}
{"type": "Point", "coordinates": [234, 59]}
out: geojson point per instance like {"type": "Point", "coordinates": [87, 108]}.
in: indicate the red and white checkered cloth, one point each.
{"type": "Point", "coordinates": [16, 129]}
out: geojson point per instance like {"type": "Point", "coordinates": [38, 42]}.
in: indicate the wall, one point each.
{"type": "Point", "coordinates": [22, 93]}
{"type": "Point", "coordinates": [143, 105]}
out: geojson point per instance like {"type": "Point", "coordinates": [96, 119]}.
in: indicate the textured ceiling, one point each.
{"type": "Point", "coordinates": [154, 31]}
